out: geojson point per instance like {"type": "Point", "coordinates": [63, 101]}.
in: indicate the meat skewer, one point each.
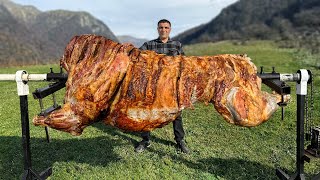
{"type": "Point", "coordinates": [142, 90]}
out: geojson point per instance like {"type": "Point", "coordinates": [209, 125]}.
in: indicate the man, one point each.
{"type": "Point", "coordinates": [164, 45]}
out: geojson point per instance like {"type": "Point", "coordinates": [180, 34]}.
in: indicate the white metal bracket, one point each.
{"type": "Point", "coordinates": [22, 86]}
{"type": "Point", "coordinates": [301, 87]}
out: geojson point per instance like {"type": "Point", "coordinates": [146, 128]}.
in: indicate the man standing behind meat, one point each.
{"type": "Point", "coordinates": [164, 45]}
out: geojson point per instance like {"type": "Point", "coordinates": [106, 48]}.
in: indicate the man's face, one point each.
{"type": "Point", "coordinates": [164, 30]}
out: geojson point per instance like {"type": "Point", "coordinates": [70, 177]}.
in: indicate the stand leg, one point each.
{"type": "Point", "coordinates": [299, 174]}
{"type": "Point", "coordinates": [28, 172]}
{"type": "Point", "coordinates": [300, 136]}
{"type": "Point", "coordinates": [282, 175]}
{"type": "Point", "coordinates": [45, 128]}
{"type": "Point", "coordinates": [47, 134]}
{"type": "Point", "coordinates": [25, 135]}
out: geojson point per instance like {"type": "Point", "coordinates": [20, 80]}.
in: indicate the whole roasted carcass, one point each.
{"type": "Point", "coordinates": [141, 90]}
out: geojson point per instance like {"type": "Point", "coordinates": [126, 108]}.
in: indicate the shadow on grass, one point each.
{"type": "Point", "coordinates": [96, 151]}
{"type": "Point", "coordinates": [99, 151]}
{"type": "Point", "coordinates": [226, 168]}
{"type": "Point", "coordinates": [129, 135]}
{"type": "Point", "coordinates": [234, 168]}
{"type": "Point", "coordinates": [242, 169]}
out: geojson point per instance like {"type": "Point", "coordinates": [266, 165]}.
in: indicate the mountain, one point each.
{"type": "Point", "coordinates": [30, 36]}
{"type": "Point", "coordinates": [137, 42]}
{"type": "Point", "coordinates": [260, 19]}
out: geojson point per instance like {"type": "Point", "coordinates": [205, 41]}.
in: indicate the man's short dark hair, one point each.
{"type": "Point", "coordinates": [164, 21]}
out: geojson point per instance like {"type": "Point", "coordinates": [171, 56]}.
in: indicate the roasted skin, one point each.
{"type": "Point", "coordinates": [141, 90]}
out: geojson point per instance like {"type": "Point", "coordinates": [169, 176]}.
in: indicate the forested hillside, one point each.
{"type": "Point", "coordinates": [30, 36]}
{"type": "Point", "coordinates": [294, 22]}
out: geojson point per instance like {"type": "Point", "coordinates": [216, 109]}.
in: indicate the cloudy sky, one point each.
{"type": "Point", "coordinates": [139, 18]}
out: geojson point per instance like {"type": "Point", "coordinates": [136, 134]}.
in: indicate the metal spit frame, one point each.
{"type": "Point", "coordinates": [302, 78]}
{"type": "Point", "coordinates": [22, 77]}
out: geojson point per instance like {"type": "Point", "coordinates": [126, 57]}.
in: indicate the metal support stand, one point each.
{"type": "Point", "coordinates": [300, 156]}
{"type": "Point", "coordinates": [23, 91]}
{"type": "Point", "coordinates": [22, 77]}
{"type": "Point", "coordinates": [29, 173]}
{"type": "Point", "coordinates": [301, 90]}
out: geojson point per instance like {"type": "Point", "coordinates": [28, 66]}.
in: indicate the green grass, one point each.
{"type": "Point", "coordinates": [219, 150]}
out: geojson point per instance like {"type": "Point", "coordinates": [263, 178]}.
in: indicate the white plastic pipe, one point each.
{"type": "Point", "coordinates": [34, 77]}
{"type": "Point", "coordinates": [25, 77]}
{"type": "Point", "coordinates": [7, 77]}
{"type": "Point", "coordinates": [290, 77]}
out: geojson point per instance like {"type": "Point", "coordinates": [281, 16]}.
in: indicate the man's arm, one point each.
{"type": "Point", "coordinates": [180, 49]}
{"type": "Point", "coordinates": [144, 46]}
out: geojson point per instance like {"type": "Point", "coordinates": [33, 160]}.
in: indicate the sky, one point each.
{"type": "Point", "coordinates": [138, 18]}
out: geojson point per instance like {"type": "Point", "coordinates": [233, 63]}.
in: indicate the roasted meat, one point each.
{"type": "Point", "coordinates": [138, 90]}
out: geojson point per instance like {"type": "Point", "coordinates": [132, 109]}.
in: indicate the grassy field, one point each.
{"type": "Point", "coordinates": [219, 150]}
